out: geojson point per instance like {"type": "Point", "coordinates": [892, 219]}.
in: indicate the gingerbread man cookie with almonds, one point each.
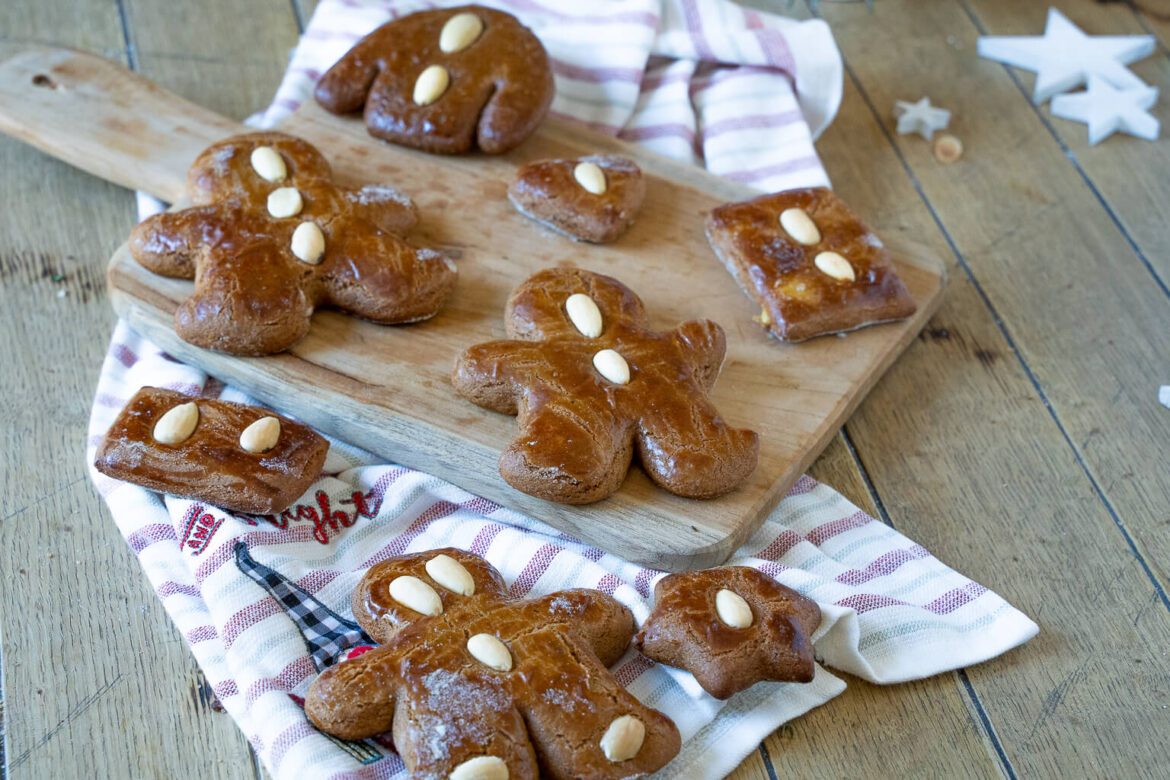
{"type": "Point", "coordinates": [731, 627]}
{"type": "Point", "coordinates": [270, 238]}
{"type": "Point", "coordinates": [474, 684]}
{"type": "Point", "coordinates": [593, 198]}
{"type": "Point", "coordinates": [445, 81]}
{"type": "Point", "coordinates": [809, 263]}
{"type": "Point", "coordinates": [589, 381]}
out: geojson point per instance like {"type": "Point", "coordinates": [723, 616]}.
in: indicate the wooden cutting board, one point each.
{"type": "Point", "coordinates": [386, 388]}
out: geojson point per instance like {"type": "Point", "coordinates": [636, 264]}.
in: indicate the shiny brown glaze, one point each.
{"type": "Point", "coordinates": [684, 630]}
{"type": "Point", "coordinates": [252, 295]}
{"type": "Point", "coordinates": [578, 431]}
{"type": "Point", "coordinates": [500, 86]}
{"type": "Point", "coordinates": [210, 466]}
{"type": "Point", "coordinates": [548, 192]}
{"type": "Point", "coordinates": [800, 301]}
{"type": "Point", "coordinates": [544, 718]}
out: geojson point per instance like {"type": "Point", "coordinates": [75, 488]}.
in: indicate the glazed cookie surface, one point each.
{"type": "Point", "coordinates": [808, 262]}
{"type": "Point", "coordinates": [243, 458]}
{"type": "Point", "coordinates": [731, 627]}
{"type": "Point", "coordinates": [270, 238]}
{"type": "Point", "coordinates": [590, 382]}
{"type": "Point", "coordinates": [447, 81]}
{"type": "Point", "coordinates": [468, 678]}
{"type": "Point", "coordinates": [593, 198]}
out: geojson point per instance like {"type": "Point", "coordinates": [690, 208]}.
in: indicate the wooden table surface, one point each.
{"type": "Point", "coordinates": [1019, 439]}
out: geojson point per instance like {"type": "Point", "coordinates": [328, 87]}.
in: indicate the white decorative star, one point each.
{"type": "Point", "coordinates": [920, 117]}
{"type": "Point", "coordinates": [1106, 110]}
{"type": "Point", "coordinates": [1064, 57]}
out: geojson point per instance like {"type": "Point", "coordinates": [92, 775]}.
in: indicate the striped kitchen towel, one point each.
{"type": "Point", "coordinates": [263, 602]}
{"type": "Point", "coordinates": [705, 81]}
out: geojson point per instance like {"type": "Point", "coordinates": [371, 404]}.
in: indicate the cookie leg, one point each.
{"type": "Point", "coordinates": [447, 719]}
{"type": "Point", "coordinates": [585, 724]}
{"type": "Point", "coordinates": [697, 456]}
{"type": "Point", "coordinates": [567, 452]}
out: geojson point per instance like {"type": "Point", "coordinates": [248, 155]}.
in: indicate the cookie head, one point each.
{"type": "Point", "coordinates": [446, 80]}
{"type": "Point", "coordinates": [591, 384]}
{"type": "Point", "coordinates": [594, 198]}
{"type": "Point", "coordinates": [468, 678]}
{"type": "Point", "coordinates": [808, 262]}
{"type": "Point", "coordinates": [731, 627]}
{"type": "Point", "coordinates": [271, 237]}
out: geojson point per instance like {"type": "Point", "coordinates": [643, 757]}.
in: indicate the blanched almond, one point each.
{"type": "Point", "coordinates": [584, 314]}
{"type": "Point", "coordinates": [285, 202]}
{"type": "Point", "coordinates": [623, 739]}
{"type": "Point", "coordinates": [267, 162]}
{"type": "Point", "coordinates": [460, 31]}
{"type": "Point", "coordinates": [261, 435]}
{"type": "Point", "coordinates": [732, 609]}
{"type": "Point", "coordinates": [612, 366]}
{"type": "Point", "coordinates": [308, 243]}
{"type": "Point", "coordinates": [431, 84]}
{"type": "Point", "coordinates": [480, 768]}
{"type": "Point", "coordinates": [490, 651]}
{"type": "Point", "coordinates": [798, 224]}
{"type": "Point", "coordinates": [591, 177]}
{"type": "Point", "coordinates": [835, 266]}
{"type": "Point", "coordinates": [413, 593]}
{"type": "Point", "coordinates": [451, 574]}
{"type": "Point", "coordinates": [177, 425]}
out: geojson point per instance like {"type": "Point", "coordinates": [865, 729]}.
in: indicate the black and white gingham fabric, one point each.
{"type": "Point", "coordinates": [327, 635]}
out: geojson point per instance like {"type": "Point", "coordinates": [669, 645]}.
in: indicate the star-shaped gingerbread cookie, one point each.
{"type": "Point", "coordinates": [270, 238]}
{"type": "Point", "coordinates": [808, 262]}
{"type": "Point", "coordinates": [475, 684]}
{"type": "Point", "coordinates": [589, 382]}
{"type": "Point", "coordinates": [446, 81]}
{"type": "Point", "coordinates": [731, 627]}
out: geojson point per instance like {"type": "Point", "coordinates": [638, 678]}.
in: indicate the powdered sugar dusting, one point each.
{"type": "Point", "coordinates": [871, 240]}
{"type": "Point", "coordinates": [380, 193]}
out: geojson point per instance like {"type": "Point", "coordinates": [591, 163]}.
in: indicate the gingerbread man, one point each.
{"type": "Point", "coordinates": [474, 684]}
{"type": "Point", "coordinates": [589, 381]}
{"type": "Point", "coordinates": [731, 627]}
{"type": "Point", "coordinates": [270, 237]}
{"type": "Point", "coordinates": [445, 81]}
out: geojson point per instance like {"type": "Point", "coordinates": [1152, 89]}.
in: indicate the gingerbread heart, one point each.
{"type": "Point", "coordinates": [731, 627]}
{"type": "Point", "coordinates": [445, 81]}
{"type": "Point", "coordinates": [475, 684]}
{"type": "Point", "coordinates": [270, 238]}
{"type": "Point", "coordinates": [590, 381]}
{"type": "Point", "coordinates": [809, 263]}
{"type": "Point", "coordinates": [593, 198]}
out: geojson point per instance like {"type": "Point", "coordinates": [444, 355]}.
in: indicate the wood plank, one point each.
{"type": "Point", "coordinates": [1127, 172]}
{"type": "Point", "coordinates": [967, 457]}
{"type": "Point", "coordinates": [1045, 253]}
{"type": "Point", "coordinates": [414, 418]}
{"type": "Point", "coordinates": [79, 694]}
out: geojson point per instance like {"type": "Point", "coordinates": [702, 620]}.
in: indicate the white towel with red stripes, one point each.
{"type": "Point", "coordinates": [263, 602]}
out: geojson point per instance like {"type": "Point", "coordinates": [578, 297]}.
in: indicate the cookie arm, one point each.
{"type": "Point", "coordinates": [382, 278]}
{"type": "Point", "coordinates": [492, 374]}
{"type": "Point", "coordinates": [168, 243]}
{"type": "Point", "coordinates": [604, 623]}
{"type": "Point", "coordinates": [354, 699]}
{"type": "Point", "coordinates": [704, 345]}
{"type": "Point", "coordinates": [344, 87]}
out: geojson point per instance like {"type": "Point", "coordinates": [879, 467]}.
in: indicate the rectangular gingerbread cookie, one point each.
{"type": "Point", "coordinates": [808, 262]}
{"type": "Point", "coordinates": [207, 460]}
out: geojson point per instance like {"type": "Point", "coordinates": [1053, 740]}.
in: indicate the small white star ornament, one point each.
{"type": "Point", "coordinates": [1106, 110]}
{"type": "Point", "coordinates": [920, 117]}
{"type": "Point", "coordinates": [1064, 57]}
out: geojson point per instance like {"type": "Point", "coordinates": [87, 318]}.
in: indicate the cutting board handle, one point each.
{"type": "Point", "coordinates": [99, 116]}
